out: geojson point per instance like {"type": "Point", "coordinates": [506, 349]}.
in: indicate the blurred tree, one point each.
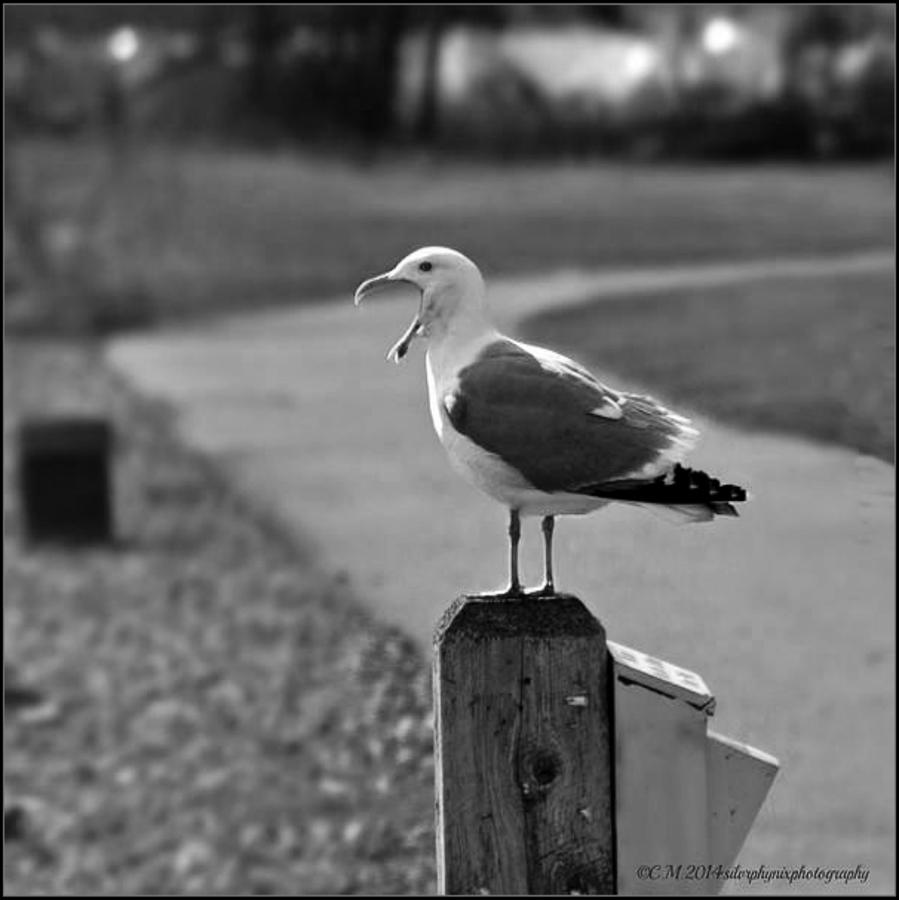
{"type": "Point", "coordinates": [435, 21]}
{"type": "Point", "coordinates": [842, 113]}
{"type": "Point", "coordinates": [611, 15]}
{"type": "Point", "coordinates": [343, 78]}
{"type": "Point", "coordinates": [379, 33]}
{"type": "Point", "coordinates": [21, 20]}
{"type": "Point", "coordinates": [827, 26]}
{"type": "Point", "coordinates": [332, 72]}
{"type": "Point", "coordinates": [265, 30]}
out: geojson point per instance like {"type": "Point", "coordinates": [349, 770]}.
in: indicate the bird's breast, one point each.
{"type": "Point", "coordinates": [437, 386]}
{"type": "Point", "coordinates": [480, 467]}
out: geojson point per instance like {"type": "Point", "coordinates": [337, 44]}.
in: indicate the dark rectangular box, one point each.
{"type": "Point", "coordinates": [64, 473]}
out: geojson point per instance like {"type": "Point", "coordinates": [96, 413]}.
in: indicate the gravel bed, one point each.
{"type": "Point", "coordinates": [197, 709]}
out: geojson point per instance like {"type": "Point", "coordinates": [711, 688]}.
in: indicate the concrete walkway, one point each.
{"type": "Point", "coordinates": [787, 612]}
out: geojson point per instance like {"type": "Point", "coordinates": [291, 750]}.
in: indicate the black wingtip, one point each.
{"type": "Point", "coordinates": [678, 486]}
{"type": "Point", "coordinates": [717, 493]}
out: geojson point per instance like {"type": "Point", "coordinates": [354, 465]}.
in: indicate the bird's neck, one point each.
{"type": "Point", "coordinates": [460, 339]}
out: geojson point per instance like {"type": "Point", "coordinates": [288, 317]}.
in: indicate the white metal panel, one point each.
{"type": "Point", "coordinates": [660, 788]}
{"type": "Point", "coordinates": [685, 798]}
{"type": "Point", "coordinates": [740, 777]}
{"type": "Point", "coordinates": [661, 676]}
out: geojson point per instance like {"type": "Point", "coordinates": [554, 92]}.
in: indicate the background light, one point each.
{"type": "Point", "coordinates": [123, 44]}
{"type": "Point", "coordinates": [639, 62]}
{"type": "Point", "coordinates": [719, 36]}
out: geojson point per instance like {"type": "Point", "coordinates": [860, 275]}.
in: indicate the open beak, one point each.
{"type": "Point", "coordinates": [401, 347]}
{"type": "Point", "coordinates": [377, 283]}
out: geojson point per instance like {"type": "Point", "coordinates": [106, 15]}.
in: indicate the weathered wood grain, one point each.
{"type": "Point", "coordinates": [523, 735]}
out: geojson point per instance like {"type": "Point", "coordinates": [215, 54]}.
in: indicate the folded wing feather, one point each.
{"type": "Point", "coordinates": [558, 425]}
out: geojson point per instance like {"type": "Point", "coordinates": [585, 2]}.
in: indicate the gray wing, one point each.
{"type": "Point", "coordinates": [559, 426]}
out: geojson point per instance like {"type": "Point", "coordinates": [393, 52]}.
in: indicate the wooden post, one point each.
{"type": "Point", "coordinates": [523, 740]}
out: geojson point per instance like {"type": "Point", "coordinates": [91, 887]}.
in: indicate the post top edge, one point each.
{"type": "Point", "coordinates": [556, 616]}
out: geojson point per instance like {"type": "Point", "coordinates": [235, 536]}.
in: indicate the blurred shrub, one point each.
{"type": "Point", "coordinates": [67, 267]}
{"type": "Point", "coordinates": [858, 118]}
{"type": "Point", "coordinates": [841, 65]}
{"type": "Point", "coordinates": [80, 291]}
{"type": "Point", "coordinates": [777, 128]}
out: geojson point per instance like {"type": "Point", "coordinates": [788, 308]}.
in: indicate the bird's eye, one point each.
{"type": "Point", "coordinates": [425, 267]}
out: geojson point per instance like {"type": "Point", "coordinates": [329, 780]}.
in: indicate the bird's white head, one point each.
{"type": "Point", "coordinates": [452, 293]}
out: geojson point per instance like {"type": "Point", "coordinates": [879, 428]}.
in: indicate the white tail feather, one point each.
{"type": "Point", "coordinates": [679, 513]}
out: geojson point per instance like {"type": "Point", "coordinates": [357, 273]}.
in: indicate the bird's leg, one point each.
{"type": "Point", "coordinates": [514, 590]}
{"type": "Point", "coordinates": [549, 587]}
{"type": "Point", "coordinates": [514, 538]}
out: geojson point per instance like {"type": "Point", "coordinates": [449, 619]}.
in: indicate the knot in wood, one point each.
{"type": "Point", "coordinates": [542, 767]}
{"type": "Point", "coordinates": [546, 767]}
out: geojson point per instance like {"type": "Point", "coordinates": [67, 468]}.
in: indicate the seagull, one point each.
{"type": "Point", "coordinates": [533, 429]}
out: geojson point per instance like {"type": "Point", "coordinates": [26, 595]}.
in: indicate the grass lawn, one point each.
{"type": "Point", "coordinates": [814, 357]}
{"type": "Point", "coordinates": [196, 710]}
{"type": "Point", "coordinates": [204, 230]}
